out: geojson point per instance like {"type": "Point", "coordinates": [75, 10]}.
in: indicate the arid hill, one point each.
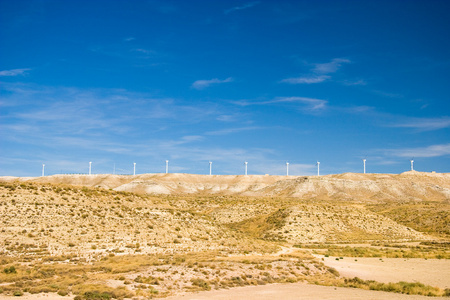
{"type": "Point", "coordinates": [349, 186]}
{"type": "Point", "coordinates": [167, 234]}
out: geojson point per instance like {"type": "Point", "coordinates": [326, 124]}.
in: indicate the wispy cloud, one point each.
{"type": "Point", "coordinates": [202, 84]}
{"type": "Point", "coordinates": [387, 94]}
{"type": "Point", "coordinates": [144, 51]}
{"type": "Point", "coordinates": [423, 124]}
{"type": "Point", "coordinates": [14, 72]}
{"type": "Point", "coordinates": [306, 79]}
{"type": "Point", "coordinates": [430, 151]}
{"type": "Point", "coordinates": [181, 141]}
{"type": "Point", "coordinates": [99, 119]}
{"type": "Point", "coordinates": [330, 67]}
{"type": "Point", "coordinates": [319, 72]}
{"type": "Point", "coordinates": [354, 82]}
{"type": "Point", "coordinates": [279, 168]}
{"type": "Point", "coordinates": [311, 104]}
{"type": "Point", "coordinates": [233, 130]}
{"type": "Point", "coordinates": [245, 6]}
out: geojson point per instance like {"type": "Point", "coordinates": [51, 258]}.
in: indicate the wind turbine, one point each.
{"type": "Point", "coordinates": [167, 166]}
{"type": "Point", "coordinates": [364, 162]}
{"type": "Point", "coordinates": [134, 169]}
{"type": "Point", "coordinates": [246, 163]}
{"type": "Point", "coordinates": [43, 167]}
{"type": "Point", "coordinates": [412, 164]}
{"type": "Point", "coordinates": [90, 165]}
{"type": "Point", "coordinates": [318, 168]}
{"type": "Point", "coordinates": [210, 168]}
{"type": "Point", "coordinates": [287, 169]}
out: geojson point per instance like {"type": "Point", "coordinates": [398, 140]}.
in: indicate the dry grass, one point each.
{"type": "Point", "coordinates": [97, 243]}
{"type": "Point", "coordinates": [388, 251]}
{"type": "Point", "coordinates": [432, 217]}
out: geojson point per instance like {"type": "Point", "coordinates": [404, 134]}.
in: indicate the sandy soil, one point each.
{"type": "Point", "coordinates": [27, 296]}
{"type": "Point", "coordinates": [71, 219]}
{"type": "Point", "coordinates": [409, 185]}
{"type": "Point", "coordinates": [267, 292]}
{"type": "Point", "coordinates": [434, 272]}
{"type": "Point", "coordinates": [294, 291]}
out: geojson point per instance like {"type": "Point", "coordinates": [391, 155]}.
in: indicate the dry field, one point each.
{"type": "Point", "coordinates": [169, 235]}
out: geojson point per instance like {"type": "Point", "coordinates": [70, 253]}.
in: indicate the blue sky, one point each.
{"type": "Point", "coordinates": [117, 82]}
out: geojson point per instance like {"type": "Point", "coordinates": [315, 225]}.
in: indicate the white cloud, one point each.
{"type": "Point", "coordinates": [14, 72]}
{"type": "Point", "coordinates": [387, 94]}
{"type": "Point", "coordinates": [279, 168]}
{"type": "Point", "coordinates": [357, 82]}
{"type": "Point", "coordinates": [223, 118]}
{"type": "Point", "coordinates": [319, 72]}
{"type": "Point", "coordinates": [233, 130]}
{"type": "Point", "coordinates": [310, 103]}
{"type": "Point", "coordinates": [245, 6]}
{"type": "Point", "coordinates": [424, 124]}
{"type": "Point", "coordinates": [331, 67]}
{"type": "Point", "coordinates": [430, 151]}
{"type": "Point", "coordinates": [145, 51]}
{"type": "Point", "coordinates": [202, 84]}
{"type": "Point", "coordinates": [306, 79]}
{"type": "Point", "coordinates": [94, 117]}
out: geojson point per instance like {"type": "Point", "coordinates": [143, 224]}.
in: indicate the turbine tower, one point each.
{"type": "Point", "coordinates": [90, 165]}
{"type": "Point", "coordinates": [287, 169]}
{"type": "Point", "coordinates": [210, 168]}
{"type": "Point", "coordinates": [167, 166]}
{"type": "Point", "coordinates": [245, 163]}
{"type": "Point", "coordinates": [43, 167]}
{"type": "Point", "coordinates": [364, 162]}
{"type": "Point", "coordinates": [134, 169]}
{"type": "Point", "coordinates": [318, 168]}
{"type": "Point", "coordinates": [412, 164]}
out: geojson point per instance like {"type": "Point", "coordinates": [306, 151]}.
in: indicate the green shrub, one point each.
{"type": "Point", "coordinates": [10, 270]}
{"type": "Point", "coordinates": [201, 283]}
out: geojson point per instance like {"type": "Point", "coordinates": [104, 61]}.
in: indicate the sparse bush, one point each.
{"type": "Point", "coordinates": [201, 283]}
{"type": "Point", "coordinates": [333, 271]}
{"type": "Point", "coordinates": [10, 270]}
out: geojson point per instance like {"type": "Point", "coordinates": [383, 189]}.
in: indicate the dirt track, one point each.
{"type": "Point", "coordinates": [294, 291]}
{"type": "Point", "coordinates": [267, 292]}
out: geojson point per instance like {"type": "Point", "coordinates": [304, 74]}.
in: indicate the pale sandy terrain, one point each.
{"type": "Point", "coordinates": [348, 186]}
{"type": "Point", "coordinates": [266, 292]}
{"type": "Point", "coordinates": [132, 226]}
{"type": "Point", "coordinates": [50, 296]}
{"type": "Point", "coordinates": [434, 272]}
{"type": "Point", "coordinates": [295, 291]}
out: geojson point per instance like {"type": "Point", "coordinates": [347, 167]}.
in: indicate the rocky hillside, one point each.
{"type": "Point", "coordinates": [195, 232]}
{"type": "Point", "coordinates": [349, 186]}
{"type": "Point", "coordinates": [169, 213]}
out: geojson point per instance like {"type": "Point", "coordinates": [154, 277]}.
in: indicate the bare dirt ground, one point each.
{"type": "Point", "coordinates": [223, 237]}
{"type": "Point", "coordinates": [267, 292]}
{"type": "Point", "coordinates": [351, 186]}
{"type": "Point", "coordinates": [295, 291]}
{"type": "Point", "coordinates": [46, 296]}
{"type": "Point", "coordinates": [435, 272]}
